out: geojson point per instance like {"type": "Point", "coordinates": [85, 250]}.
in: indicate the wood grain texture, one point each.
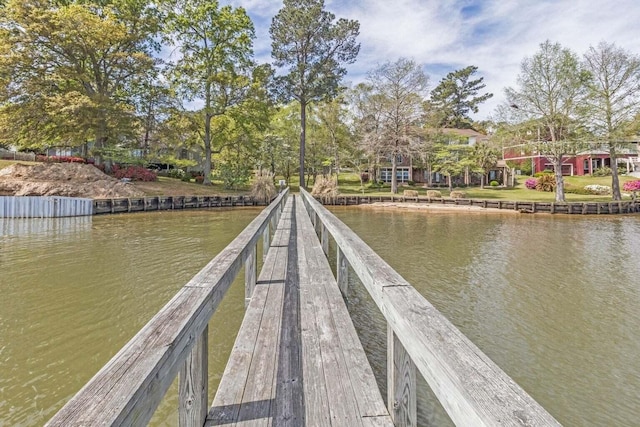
{"type": "Point", "coordinates": [472, 389]}
{"type": "Point", "coordinates": [401, 383]}
{"type": "Point", "coordinates": [192, 392]}
{"type": "Point", "coordinates": [297, 359]}
{"type": "Point", "coordinates": [342, 273]}
{"type": "Point", "coordinates": [128, 389]}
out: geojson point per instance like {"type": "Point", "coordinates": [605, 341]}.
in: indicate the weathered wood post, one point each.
{"type": "Point", "coordinates": [250, 274]}
{"type": "Point", "coordinates": [342, 272]}
{"type": "Point", "coordinates": [266, 241]}
{"type": "Point", "coordinates": [193, 399]}
{"type": "Point", "coordinates": [324, 238]}
{"type": "Point", "coordinates": [401, 383]}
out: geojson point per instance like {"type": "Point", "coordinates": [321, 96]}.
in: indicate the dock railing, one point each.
{"type": "Point", "coordinates": [129, 388]}
{"type": "Point", "coordinates": [472, 389]}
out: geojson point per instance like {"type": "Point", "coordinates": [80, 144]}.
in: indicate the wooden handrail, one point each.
{"type": "Point", "coordinates": [473, 390]}
{"type": "Point", "coordinates": [128, 389]}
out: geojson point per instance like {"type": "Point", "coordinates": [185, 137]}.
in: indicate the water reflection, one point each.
{"type": "Point", "coordinates": [22, 227]}
{"type": "Point", "coordinates": [553, 300]}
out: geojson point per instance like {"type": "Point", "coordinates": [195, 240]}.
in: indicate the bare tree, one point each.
{"type": "Point", "coordinates": [614, 99]}
{"type": "Point", "coordinates": [550, 89]}
{"type": "Point", "coordinates": [394, 107]}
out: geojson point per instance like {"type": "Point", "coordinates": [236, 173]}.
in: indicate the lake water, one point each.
{"type": "Point", "coordinates": [553, 300]}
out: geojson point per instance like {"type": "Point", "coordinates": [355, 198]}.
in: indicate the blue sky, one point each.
{"type": "Point", "coordinates": [442, 36]}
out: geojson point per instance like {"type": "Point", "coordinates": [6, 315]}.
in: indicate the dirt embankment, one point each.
{"type": "Point", "coordinates": [62, 179]}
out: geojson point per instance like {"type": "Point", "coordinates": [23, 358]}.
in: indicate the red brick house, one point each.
{"type": "Point", "coordinates": [582, 163]}
{"type": "Point", "coordinates": [409, 170]}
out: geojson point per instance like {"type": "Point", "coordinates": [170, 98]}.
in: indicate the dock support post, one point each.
{"type": "Point", "coordinates": [324, 238]}
{"type": "Point", "coordinates": [266, 241]}
{"type": "Point", "coordinates": [342, 272]}
{"type": "Point", "coordinates": [250, 273]}
{"type": "Point", "coordinates": [401, 383]}
{"type": "Point", "coordinates": [193, 399]}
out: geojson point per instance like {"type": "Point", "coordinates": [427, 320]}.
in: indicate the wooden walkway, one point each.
{"type": "Point", "coordinates": [297, 359]}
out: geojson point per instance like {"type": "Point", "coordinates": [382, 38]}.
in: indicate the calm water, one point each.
{"type": "Point", "coordinates": [554, 301]}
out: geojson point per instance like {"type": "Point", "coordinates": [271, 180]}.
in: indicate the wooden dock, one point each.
{"type": "Point", "coordinates": [297, 359]}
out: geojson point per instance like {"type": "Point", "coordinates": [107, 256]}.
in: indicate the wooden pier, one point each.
{"type": "Point", "coordinates": [297, 360]}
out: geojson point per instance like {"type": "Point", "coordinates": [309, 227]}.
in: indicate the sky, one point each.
{"type": "Point", "coordinates": [444, 36]}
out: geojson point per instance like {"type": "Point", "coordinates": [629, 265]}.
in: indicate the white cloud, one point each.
{"type": "Point", "coordinates": [494, 35]}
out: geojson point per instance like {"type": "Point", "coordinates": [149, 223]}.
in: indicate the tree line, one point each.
{"type": "Point", "coordinates": [177, 79]}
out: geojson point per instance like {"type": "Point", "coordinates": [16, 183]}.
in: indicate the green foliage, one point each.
{"type": "Point", "coordinates": [216, 62]}
{"type": "Point", "coordinates": [494, 183]}
{"type": "Point", "coordinates": [71, 70]}
{"type": "Point", "coordinates": [546, 182]}
{"type": "Point", "coordinates": [233, 174]}
{"type": "Point", "coordinates": [603, 171]}
{"type": "Point", "coordinates": [455, 98]}
{"type": "Point", "coordinates": [176, 173]}
{"type": "Point", "coordinates": [307, 41]}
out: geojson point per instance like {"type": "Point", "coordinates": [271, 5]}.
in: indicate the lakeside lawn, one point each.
{"type": "Point", "coordinates": [349, 184]}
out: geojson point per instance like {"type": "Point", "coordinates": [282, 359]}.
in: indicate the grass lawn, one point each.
{"type": "Point", "coordinates": [349, 183]}
{"type": "Point", "coordinates": [174, 187]}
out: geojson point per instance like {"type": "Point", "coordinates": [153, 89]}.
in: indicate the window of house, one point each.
{"type": "Point", "coordinates": [402, 174]}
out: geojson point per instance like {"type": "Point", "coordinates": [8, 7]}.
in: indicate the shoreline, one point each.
{"type": "Point", "coordinates": [421, 207]}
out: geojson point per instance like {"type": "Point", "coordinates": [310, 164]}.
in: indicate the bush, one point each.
{"type": "Point", "coordinates": [570, 189]}
{"type": "Point", "coordinates": [631, 186]}
{"type": "Point", "coordinates": [262, 188]}
{"type": "Point", "coordinates": [410, 193]}
{"type": "Point", "coordinates": [135, 173]}
{"type": "Point", "coordinates": [458, 194]}
{"type": "Point", "coordinates": [364, 177]}
{"type": "Point", "coordinates": [494, 183]}
{"type": "Point", "coordinates": [60, 159]}
{"type": "Point", "coordinates": [546, 183]}
{"type": "Point", "coordinates": [543, 173]}
{"type": "Point", "coordinates": [411, 183]}
{"type": "Point", "coordinates": [434, 194]}
{"type": "Point", "coordinates": [325, 188]}
{"type": "Point", "coordinates": [531, 183]}
{"type": "Point", "coordinates": [176, 173]}
{"type": "Point", "coordinates": [604, 171]}
{"type": "Point", "coordinates": [598, 189]}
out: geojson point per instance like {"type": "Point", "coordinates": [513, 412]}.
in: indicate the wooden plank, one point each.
{"type": "Point", "coordinates": [349, 386]}
{"type": "Point", "coordinates": [471, 388]}
{"type": "Point", "coordinates": [342, 272]}
{"type": "Point", "coordinates": [192, 394]}
{"type": "Point", "coordinates": [127, 390]}
{"type": "Point", "coordinates": [401, 383]}
{"type": "Point", "coordinates": [250, 271]}
{"type": "Point", "coordinates": [236, 389]}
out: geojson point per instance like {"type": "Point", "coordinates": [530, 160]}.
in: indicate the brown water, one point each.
{"type": "Point", "coordinates": [553, 300]}
{"type": "Point", "coordinates": [74, 291]}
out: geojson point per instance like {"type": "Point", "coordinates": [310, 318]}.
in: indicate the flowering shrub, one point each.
{"type": "Point", "coordinates": [60, 159]}
{"type": "Point", "coordinates": [531, 183]}
{"type": "Point", "coordinates": [135, 173]}
{"type": "Point", "coordinates": [631, 186]}
{"type": "Point", "coordinates": [598, 189]}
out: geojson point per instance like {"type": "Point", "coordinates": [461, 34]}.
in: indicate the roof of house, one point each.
{"type": "Point", "coordinates": [466, 133]}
